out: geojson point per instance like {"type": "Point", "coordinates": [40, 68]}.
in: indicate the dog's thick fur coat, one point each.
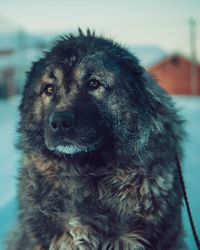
{"type": "Point", "coordinates": [105, 177]}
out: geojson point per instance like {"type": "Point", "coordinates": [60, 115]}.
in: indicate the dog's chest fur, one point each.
{"type": "Point", "coordinates": [101, 202]}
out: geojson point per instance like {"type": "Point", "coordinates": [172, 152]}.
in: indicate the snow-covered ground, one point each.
{"type": "Point", "coordinates": [9, 162]}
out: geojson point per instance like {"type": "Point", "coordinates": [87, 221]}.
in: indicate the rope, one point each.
{"type": "Point", "coordinates": [194, 231]}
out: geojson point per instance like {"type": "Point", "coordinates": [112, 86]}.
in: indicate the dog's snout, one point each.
{"type": "Point", "coordinates": [61, 121]}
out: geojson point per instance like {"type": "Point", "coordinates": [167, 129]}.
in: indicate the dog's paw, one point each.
{"type": "Point", "coordinates": [77, 239]}
{"type": "Point", "coordinates": [125, 242]}
{"type": "Point", "coordinates": [65, 242]}
{"type": "Point", "coordinates": [84, 239]}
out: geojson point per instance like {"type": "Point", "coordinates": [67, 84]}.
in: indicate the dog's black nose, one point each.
{"type": "Point", "coordinates": [61, 121]}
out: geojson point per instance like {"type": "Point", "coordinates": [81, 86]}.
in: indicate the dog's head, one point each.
{"type": "Point", "coordinates": [84, 94]}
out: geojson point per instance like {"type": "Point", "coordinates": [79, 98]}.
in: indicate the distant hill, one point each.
{"type": "Point", "coordinates": [20, 38]}
{"type": "Point", "coordinates": [149, 54]}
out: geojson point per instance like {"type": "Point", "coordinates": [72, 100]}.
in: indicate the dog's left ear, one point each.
{"type": "Point", "coordinates": [141, 85]}
{"type": "Point", "coordinates": [135, 79]}
{"type": "Point", "coordinates": [130, 63]}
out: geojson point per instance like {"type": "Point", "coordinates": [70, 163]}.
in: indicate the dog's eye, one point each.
{"type": "Point", "coordinates": [49, 89]}
{"type": "Point", "coordinates": [93, 84]}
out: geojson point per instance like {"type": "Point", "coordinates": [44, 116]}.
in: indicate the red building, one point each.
{"type": "Point", "coordinates": [177, 75]}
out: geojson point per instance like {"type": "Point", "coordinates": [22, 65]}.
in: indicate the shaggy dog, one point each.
{"type": "Point", "coordinates": [100, 142]}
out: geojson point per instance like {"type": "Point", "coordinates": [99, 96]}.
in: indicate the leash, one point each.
{"type": "Point", "coordinates": [194, 231]}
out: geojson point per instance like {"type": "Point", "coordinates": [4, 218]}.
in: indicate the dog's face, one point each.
{"type": "Point", "coordinates": [77, 99]}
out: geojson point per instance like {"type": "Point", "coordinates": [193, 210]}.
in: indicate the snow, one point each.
{"type": "Point", "coordinates": [9, 162]}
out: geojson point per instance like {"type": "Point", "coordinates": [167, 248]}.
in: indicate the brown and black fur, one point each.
{"type": "Point", "coordinates": [122, 191]}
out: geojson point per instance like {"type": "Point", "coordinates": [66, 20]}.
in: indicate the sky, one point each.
{"type": "Point", "coordinates": [153, 22]}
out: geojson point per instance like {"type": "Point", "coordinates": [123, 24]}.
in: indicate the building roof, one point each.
{"type": "Point", "coordinates": [174, 59]}
{"type": "Point", "coordinates": [148, 54]}
{"type": "Point", "coordinates": [178, 75]}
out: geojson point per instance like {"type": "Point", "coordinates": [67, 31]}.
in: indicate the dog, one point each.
{"type": "Point", "coordinates": [99, 139]}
